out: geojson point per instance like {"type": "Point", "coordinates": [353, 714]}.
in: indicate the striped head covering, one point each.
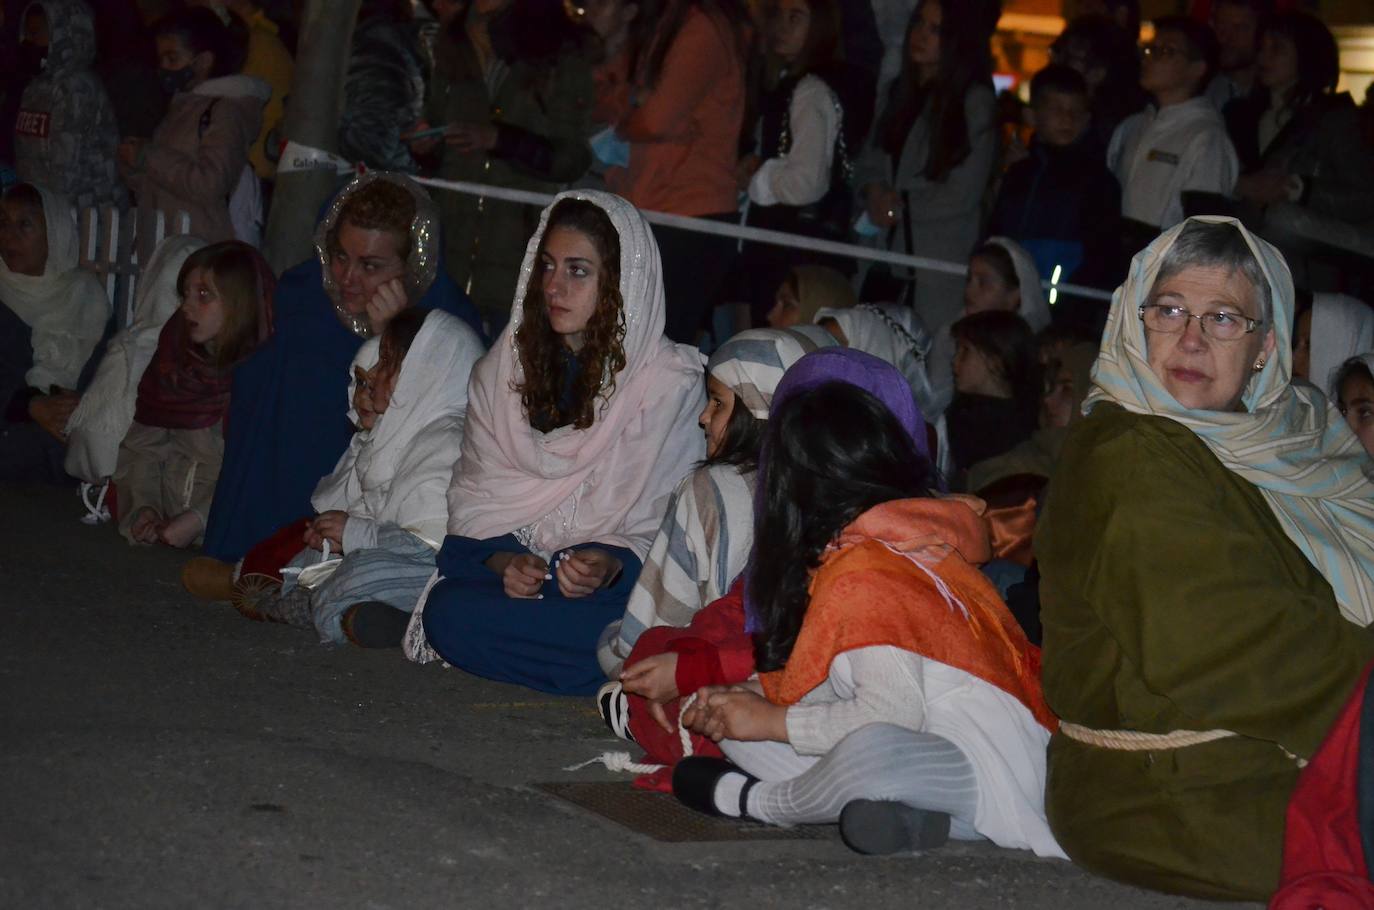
{"type": "Point", "coordinates": [1289, 442]}
{"type": "Point", "coordinates": [751, 364]}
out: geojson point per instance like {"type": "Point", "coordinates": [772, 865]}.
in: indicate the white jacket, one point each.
{"type": "Point", "coordinates": [1159, 153]}
{"type": "Point", "coordinates": [399, 472]}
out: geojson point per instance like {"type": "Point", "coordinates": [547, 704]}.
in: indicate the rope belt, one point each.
{"type": "Point", "coordinates": [1136, 741]}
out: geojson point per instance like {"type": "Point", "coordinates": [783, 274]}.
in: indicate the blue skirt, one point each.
{"type": "Point", "coordinates": [548, 644]}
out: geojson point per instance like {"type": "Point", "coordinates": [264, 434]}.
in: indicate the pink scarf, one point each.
{"type": "Point", "coordinates": [610, 482]}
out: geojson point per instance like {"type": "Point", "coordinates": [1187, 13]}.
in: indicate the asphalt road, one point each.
{"type": "Point", "coordinates": [156, 751]}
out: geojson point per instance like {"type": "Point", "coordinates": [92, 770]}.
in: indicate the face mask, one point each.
{"type": "Point", "coordinates": [31, 58]}
{"type": "Point", "coordinates": [174, 81]}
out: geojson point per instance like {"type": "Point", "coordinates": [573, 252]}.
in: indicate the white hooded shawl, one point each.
{"type": "Point", "coordinates": [398, 472]}
{"type": "Point", "coordinates": [65, 306]}
{"type": "Point", "coordinates": [609, 483]}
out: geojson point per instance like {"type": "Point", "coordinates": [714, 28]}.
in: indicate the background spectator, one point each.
{"type": "Point", "coordinates": [1179, 144]}
{"type": "Point", "coordinates": [197, 160]}
{"type": "Point", "coordinates": [1237, 27]}
{"type": "Point", "coordinates": [384, 91]}
{"type": "Point", "coordinates": [65, 133]}
{"type": "Point", "coordinates": [683, 130]}
{"type": "Point", "coordinates": [513, 92]}
{"type": "Point", "coordinates": [1107, 58]}
{"type": "Point", "coordinates": [936, 146]}
{"type": "Point", "coordinates": [798, 179]}
{"type": "Point", "coordinates": [265, 58]}
{"type": "Point", "coordinates": [1298, 140]}
{"type": "Point", "coordinates": [1061, 202]}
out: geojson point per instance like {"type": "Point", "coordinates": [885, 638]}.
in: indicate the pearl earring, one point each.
{"type": "Point", "coordinates": [1259, 364]}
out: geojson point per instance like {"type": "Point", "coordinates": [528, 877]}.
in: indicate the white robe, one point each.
{"type": "Point", "coordinates": [399, 471]}
{"type": "Point", "coordinates": [107, 408]}
{"type": "Point", "coordinates": [65, 307]}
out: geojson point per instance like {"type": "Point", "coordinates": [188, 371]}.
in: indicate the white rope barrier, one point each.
{"type": "Point", "coordinates": [757, 235]}
{"type": "Point", "coordinates": [296, 157]}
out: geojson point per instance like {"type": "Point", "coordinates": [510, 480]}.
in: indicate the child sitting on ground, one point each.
{"type": "Point", "coordinates": [170, 457]}
{"type": "Point", "coordinates": [706, 535]}
{"type": "Point", "coordinates": [384, 507]}
{"type": "Point", "coordinates": [714, 648]}
{"type": "Point", "coordinates": [896, 695]}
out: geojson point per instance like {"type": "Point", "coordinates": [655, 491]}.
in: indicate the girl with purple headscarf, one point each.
{"type": "Point", "coordinates": [894, 692]}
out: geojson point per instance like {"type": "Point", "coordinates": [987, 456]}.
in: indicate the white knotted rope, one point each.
{"type": "Point", "coordinates": [96, 511]}
{"type": "Point", "coordinates": [621, 762]}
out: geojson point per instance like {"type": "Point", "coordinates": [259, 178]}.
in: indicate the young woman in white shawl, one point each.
{"type": "Point", "coordinates": [581, 424]}
{"type": "Point", "coordinates": [704, 541]}
{"type": "Point", "coordinates": [362, 561]}
{"type": "Point", "coordinates": [52, 316]}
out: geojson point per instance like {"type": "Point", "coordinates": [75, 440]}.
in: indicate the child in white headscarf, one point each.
{"type": "Point", "coordinates": [1335, 328]}
{"type": "Point", "coordinates": [383, 507]}
{"type": "Point", "coordinates": [45, 293]}
{"type": "Point", "coordinates": [708, 530]}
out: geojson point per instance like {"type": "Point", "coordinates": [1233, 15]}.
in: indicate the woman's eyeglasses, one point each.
{"type": "Point", "coordinates": [1169, 319]}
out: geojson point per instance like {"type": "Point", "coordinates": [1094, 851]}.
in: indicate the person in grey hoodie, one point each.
{"type": "Point", "coordinates": [197, 159]}
{"type": "Point", "coordinates": [65, 134]}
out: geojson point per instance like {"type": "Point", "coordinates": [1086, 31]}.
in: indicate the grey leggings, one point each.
{"type": "Point", "coordinates": [877, 761]}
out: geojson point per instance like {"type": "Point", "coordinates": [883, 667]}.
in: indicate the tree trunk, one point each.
{"type": "Point", "coordinates": [312, 119]}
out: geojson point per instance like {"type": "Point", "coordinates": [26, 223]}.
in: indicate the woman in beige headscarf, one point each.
{"type": "Point", "coordinates": [1205, 575]}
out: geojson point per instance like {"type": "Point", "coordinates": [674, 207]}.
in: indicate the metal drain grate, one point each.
{"type": "Point", "coordinates": [663, 818]}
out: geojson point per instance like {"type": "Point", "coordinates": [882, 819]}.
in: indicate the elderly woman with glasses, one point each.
{"type": "Point", "coordinates": [1206, 575]}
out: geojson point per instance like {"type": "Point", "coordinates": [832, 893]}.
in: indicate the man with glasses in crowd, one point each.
{"type": "Point", "coordinates": [1179, 144]}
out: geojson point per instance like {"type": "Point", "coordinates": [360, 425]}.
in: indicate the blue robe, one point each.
{"type": "Point", "coordinates": [287, 422]}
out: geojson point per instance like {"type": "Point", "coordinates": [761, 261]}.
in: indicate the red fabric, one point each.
{"type": "Point", "coordinates": [1323, 855]}
{"type": "Point", "coordinates": [268, 556]}
{"type": "Point", "coordinates": [182, 388]}
{"type": "Point", "coordinates": [713, 650]}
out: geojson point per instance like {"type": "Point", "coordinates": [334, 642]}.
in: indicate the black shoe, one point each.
{"type": "Point", "coordinates": [373, 624]}
{"type": "Point", "coordinates": [614, 707]}
{"type": "Point", "coordinates": [695, 779]}
{"type": "Point", "coordinates": [877, 828]}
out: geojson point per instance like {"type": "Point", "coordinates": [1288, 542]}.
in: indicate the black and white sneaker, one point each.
{"type": "Point", "coordinates": [614, 707]}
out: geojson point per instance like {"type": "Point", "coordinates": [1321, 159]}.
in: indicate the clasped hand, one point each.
{"type": "Point", "coordinates": [736, 712]}
{"type": "Point", "coordinates": [326, 526]}
{"type": "Point", "coordinates": [579, 573]}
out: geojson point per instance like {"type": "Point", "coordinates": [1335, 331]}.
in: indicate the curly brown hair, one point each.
{"type": "Point", "coordinates": [379, 206]}
{"type": "Point", "coordinates": [543, 352]}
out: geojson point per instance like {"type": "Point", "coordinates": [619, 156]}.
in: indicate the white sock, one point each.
{"type": "Point", "coordinates": [727, 793]}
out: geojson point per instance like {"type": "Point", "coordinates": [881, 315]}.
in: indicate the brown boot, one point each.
{"type": "Point", "coordinates": [208, 579]}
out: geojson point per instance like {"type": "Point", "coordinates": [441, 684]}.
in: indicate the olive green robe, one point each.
{"type": "Point", "coordinates": [1173, 600]}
